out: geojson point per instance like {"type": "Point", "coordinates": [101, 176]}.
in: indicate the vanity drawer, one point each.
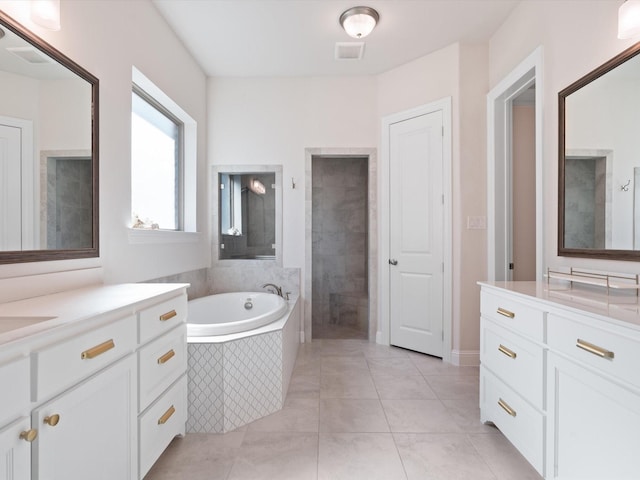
{"type": "Point", "coordinates": [613, 353]}
{"type": "Point", "coordinates": [161, 363]}
{"type": "Point", "coordinates": [14, 378]}
{"type": "Point", "coordinates": [517, 361]}
{"type": "Point", "coordinates": [66, 363]}
{"type": "Point", "coordinates": [160, 318]}
{"type": "Point", "coordinates": [517, 420]}
{"type": "Point", "coordinates": [161, 422]}
{"type": "Point", "coordinates": [510, 312]}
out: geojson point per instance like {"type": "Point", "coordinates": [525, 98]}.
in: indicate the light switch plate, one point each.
{"type": "Point", "coordinates": [477, 223]}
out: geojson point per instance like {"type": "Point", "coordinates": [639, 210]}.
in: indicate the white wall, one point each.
{"type": "Point", "coordinates": [272, 120]}
{"type": "Point", "coordinates": [576, 37]}
{"type": "Point", "coordinates": [105, 38]}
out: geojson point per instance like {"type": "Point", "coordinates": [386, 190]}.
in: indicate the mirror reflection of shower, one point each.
{"type": "Point", "coordinates": [247, 215]}
{"type": "Point", "coordinates": [66, 199]}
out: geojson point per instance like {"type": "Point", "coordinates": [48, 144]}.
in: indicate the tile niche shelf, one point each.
{"type": "Point", "coordinates": [609, 281]}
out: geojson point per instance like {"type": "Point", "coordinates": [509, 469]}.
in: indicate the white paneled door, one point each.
{"type": "Point", "coordinates": [10, 188]}
{"type": "Point", "coordinates": [416, 220]}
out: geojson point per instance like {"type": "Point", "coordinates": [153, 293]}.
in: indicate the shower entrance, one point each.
{"type": "Point", "coordinates": [340, 246]}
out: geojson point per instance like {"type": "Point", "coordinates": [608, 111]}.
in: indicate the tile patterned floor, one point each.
{"type": "Point", "coordinates": [357, 410]}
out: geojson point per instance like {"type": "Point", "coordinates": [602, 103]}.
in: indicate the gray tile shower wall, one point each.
{"type": "Point", "coordinates": [339, 250]}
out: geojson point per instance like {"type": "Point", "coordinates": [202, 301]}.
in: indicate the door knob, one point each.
{"type": "Point", "coordinates": [393, 261]}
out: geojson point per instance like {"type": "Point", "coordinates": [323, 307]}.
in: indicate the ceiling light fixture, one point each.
{"type": "Point", "coordinates": [629, 19]}
{"type": "Point", "coordinates": [359, 22]}
{"type": "Point", "coordinates": [46, 13]}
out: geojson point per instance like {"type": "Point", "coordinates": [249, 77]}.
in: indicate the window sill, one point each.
{"type": "Point", "coordinates": [139, 236]}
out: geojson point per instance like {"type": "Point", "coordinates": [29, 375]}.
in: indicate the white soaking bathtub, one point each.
{"type": "Point", "coordinates": [226, 313]}
{"type": "Point", "coordinates": [240, 359]}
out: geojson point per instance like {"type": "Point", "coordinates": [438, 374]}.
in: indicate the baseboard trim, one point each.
{"type": "Point", "coordinates": [465, 358]}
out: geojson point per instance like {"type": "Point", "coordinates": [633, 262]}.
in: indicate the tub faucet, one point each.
{"type": "Point", "coordinates": [277, 289]}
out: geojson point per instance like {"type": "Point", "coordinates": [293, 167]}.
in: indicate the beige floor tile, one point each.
{"type": "Point", "coordinates": [398, 366]}
{"type": "Point", "coordinates": [304, 386]}
{"type": "Point", "coordinates": [352, 415]}
{"type": "Point", "coordinates": [441, 457]}
{"type": "Point", "coordinates": [455, 387]}
{"type": "Point", "coordinates": [307, 367]}
{"type": "Point", "coordinates": [429, 365]}
{"type": "Point", "coordinates": [419, 416]}
{"type": "Point", "coordinates": [408, 388]}
{"type": "Point", "coordinates": [297, 415]}
{"type": "Point", "coordinates": [373, 350]}
{"type": "Point", "coordinates": [466, 413]}
{"type": "Point", "coordinates": [348, 385]}
{"type": "Point", "coordinates": [503, 458]}
{"type": "Point", "coordinates": [282, 456]}
{"type": "Point", "coordinates": [348, 365]}
{"type": "Point", "coordinates": [358, 456]}
{"type": "Point", "coordinates": [198, 456]}
{"type": "Point", "coordinates": [343, 347]}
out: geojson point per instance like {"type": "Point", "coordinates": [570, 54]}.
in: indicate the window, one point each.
{"type": "Point", "coordinates": [163, 160]}
{"type": "Point", "coordinates": [156, 164]}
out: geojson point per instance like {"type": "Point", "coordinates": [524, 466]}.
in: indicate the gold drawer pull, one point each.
{"type": "Point", "coordinates": [505, 406]}
{"type": "Point", "coordinates": [52, 420]}
{"type": "Point", "coordinates": [596, 350]}
{"type": "Point", "coordinates": [29, 435]}
{"type": "Point", "coordinates": [166, 357]}
{"type": "Point", "coordinates": [167, 415]}
{"type": "Point", "coordinates": [506, 313]}
{"type": "Point", "coordinates": [168, 316]}
{"type": "Point", "coordinates": [98, 350]}
{"type": "Point", "coordinates": [507, 352]}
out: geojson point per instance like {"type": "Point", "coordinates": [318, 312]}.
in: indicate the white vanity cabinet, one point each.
{"type": "Point", "coordinates": [594, 400]}
{"type": "Point", "coordinates": [162, 363]}
{"type": "Point", "coordinates": [512, 372]}
{"type": "Point", "coordinates": [15, 450]}
{"type": "Point", "coordinates": [75, 389]}
{"type": "Point", "coordinates": [16, 433]}
{"type": "Point", "coordinates": [560, 377]}
{"type": "Point", "coordinates": [89, 428]}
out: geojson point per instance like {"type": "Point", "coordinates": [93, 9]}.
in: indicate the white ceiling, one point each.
{"type": "Point", "coordinates": [297, 37]}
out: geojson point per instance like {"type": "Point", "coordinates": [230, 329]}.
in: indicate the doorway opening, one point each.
{"type": "Point", "coordinates": [341, 230]}
{"type": "Point", "coordinates": [515, 236]}
{"type": "Point", "coordinates": [340, 287]}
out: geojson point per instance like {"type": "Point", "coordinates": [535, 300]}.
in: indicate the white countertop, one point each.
{"type": "Point", "coordinates": [22, 320]}
{"type": "Point", "coordinates": [621, 308]}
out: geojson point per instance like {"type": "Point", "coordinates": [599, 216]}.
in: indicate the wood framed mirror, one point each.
{"type": "Point", "coordinates": [48, 151]}
{"type": "Point", "coordinates": [599, 162]}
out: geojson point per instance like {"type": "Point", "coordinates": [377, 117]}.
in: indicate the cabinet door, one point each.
{"type": "Point", "coordinates": [15, 452]}
{"type": "Point", "coordinates": [89, 431]}
{"type": "Point", "coordinates": [594, 425]}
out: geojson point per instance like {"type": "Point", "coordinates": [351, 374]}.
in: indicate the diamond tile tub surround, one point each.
{"type": "Point", "coordinates": [234, 383]}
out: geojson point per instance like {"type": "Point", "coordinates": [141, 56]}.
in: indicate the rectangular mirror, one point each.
{"type": "Point", "coordinates": [248, 206]}
{"type": "Point", "coordinates": [599, 147]}
{"type": "Point", "coordinates": [48, 151]}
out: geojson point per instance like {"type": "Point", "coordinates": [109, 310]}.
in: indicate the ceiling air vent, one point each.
{"type": "Point", "coordinates": [30, 55]}
{"type": "Point", "coordinates": [349, 50]}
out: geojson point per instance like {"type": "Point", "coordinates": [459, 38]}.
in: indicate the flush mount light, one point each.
{"type": "Point", "coordinates": [359, 22]}
{"type": "Point", "coordinates": [46, 13]}
{"type": "Point", "coordinates": [629, 19]}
